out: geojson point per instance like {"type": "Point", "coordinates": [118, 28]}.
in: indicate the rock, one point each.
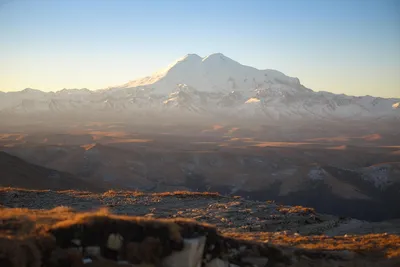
{"type": "Point", "coordinates": [123, 262]}
{"type": "Point", "coordinates": [150, 250]}
{"type": "Point", "coordinates": [257, 261]}
{"type": "Point", "coordinates": [132, 252]}
{"type": "Point", "coordinates": [76, 242]}
{"type": "Point", "coordinates": [218, 263]}
{"type": "Point", "coordinates": [86, 261]}
{"type": "Point", "coordinates": [115, 241]}
{"type": "Point", "coordinates": [190, 256]}
{"type": "Point", "coordinates": [93, 251]}
{"type": "Point", "coordinates": [344, 254]}
{"type": "Point", "coordinates": [142, 265]}
{"type": "Point", "coordinates": [109, 263]}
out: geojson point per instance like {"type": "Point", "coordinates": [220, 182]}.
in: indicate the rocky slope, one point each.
{"type": "Point", "coordinates": [228, 213]}
{"type": "Point", "coordinates": [65, 237]}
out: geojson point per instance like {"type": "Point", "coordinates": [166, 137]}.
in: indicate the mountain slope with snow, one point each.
{"type": "Point", "coordinates": [214, 84]}
{"type": "Point", "coordinates": [214, 73]}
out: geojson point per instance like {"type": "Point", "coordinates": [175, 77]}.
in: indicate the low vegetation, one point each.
{"type": "Point", "coordinates": [372, 245]}
{"type": "Point", "coordinates": [28, 237]}
{"type": "Point", "coordinates": [18, 224]}
{"type": "Point", "coordinates": [180, 194]}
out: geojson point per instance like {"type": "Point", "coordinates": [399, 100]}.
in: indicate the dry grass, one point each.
{"type": "Point", "coordinates": [122, 193]}
{"type": "Point", "coordinates": [376, 245]}
{"type": "Point", "coordinates": [21, 222]}
{"type": "Point", "coordinates": [27, 236]}
{"type": "Point", "coordinates": [19, 189]}
{"type": "Point", "coordinates": [24, 222]}
{"type": "Point", "coordinates": [24, 225]}
{"type": "Point", "coordinates": [182, 194]}
{"type": "Point", "coordinates": [296, 209]}
{"type": "Point", "coordinates": [279, 144]}
{"type": "Point", "coordinates": [178, 194]}
{"type": "Point", "coordinates": [24, 234]}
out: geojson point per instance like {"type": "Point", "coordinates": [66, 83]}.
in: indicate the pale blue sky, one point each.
{"type": "Point", "coordinates": [343, 46]}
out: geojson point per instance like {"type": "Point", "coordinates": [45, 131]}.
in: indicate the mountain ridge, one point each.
{"type": "Point", "coordinates": [189, 55]}
{"type": "Point", "coordinates": [212, 85]}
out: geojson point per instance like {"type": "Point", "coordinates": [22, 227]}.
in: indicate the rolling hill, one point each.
{"type": "Point", "coordinates": [16, 172]}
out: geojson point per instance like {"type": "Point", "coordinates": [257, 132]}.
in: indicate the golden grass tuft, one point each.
{"type": "Point", "coordinates": [376, 245]}
{"type": "Point", "coordinates": [296, 209]}
{"type": "Point", "coordinates": [182, 194]}
{"type": "Point", "coordinates": [27, 235]}
{"type": "Point", "coordinates": [20, 225]}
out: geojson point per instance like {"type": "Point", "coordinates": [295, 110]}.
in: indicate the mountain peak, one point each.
{"type": "Point", "coordinates": [190, 57]}
{"type": "Point", "coordinates": [194, 58]}
{"type": "Point", "coordinates": [216, 56]}
{"type": "Point", "coordinates": [213, 73]}
{"type": "Point", "coordinates": [30, 90]}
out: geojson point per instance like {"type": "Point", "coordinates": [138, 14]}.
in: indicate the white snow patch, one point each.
{"type": "Point", "coordinates": [317, 173]}
{"type": "Point", "coordinates": [379, 175]}
{"type": "Point", "coordinates": [213, 85]}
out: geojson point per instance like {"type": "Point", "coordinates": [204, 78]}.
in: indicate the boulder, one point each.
{"type": "Point", "coordinates": [190, 256]}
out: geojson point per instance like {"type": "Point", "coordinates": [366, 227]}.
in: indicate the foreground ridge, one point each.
{"type": "Point", "coordinates": [62, 237]}
{"type": "Point", "coordinates": [47, 235]}
{"type": "Point", "coordinates": [228, 213]}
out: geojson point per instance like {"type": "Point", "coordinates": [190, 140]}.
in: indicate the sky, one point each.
{"type": "Point", "coordinates": [341, 46]}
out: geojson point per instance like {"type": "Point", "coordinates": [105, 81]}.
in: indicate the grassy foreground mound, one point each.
{"type": "Point", "coordinates": [65, 237]}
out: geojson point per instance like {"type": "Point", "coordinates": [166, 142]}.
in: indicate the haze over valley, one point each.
{"type": "Point", "coordinates": [212, 124]}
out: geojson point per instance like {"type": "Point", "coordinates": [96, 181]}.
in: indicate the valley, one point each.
{"type": "Point", "coordinates": [342, 169]}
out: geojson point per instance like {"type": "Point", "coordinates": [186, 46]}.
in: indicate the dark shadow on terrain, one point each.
{"type": "Point", "coordinates": [383, 206]}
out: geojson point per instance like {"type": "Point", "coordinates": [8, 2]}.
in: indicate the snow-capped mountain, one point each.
{"type": "Point", "coordinates": [214, 84]}
{"type": "Point", "coordinates": [214, 73]}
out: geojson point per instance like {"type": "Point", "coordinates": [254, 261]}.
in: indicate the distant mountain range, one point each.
{"type": "Point", "coordinates": [213, 85]}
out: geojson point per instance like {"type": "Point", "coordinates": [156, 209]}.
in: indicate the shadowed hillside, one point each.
{"type": "Point", "coordinates": [19, 173]}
